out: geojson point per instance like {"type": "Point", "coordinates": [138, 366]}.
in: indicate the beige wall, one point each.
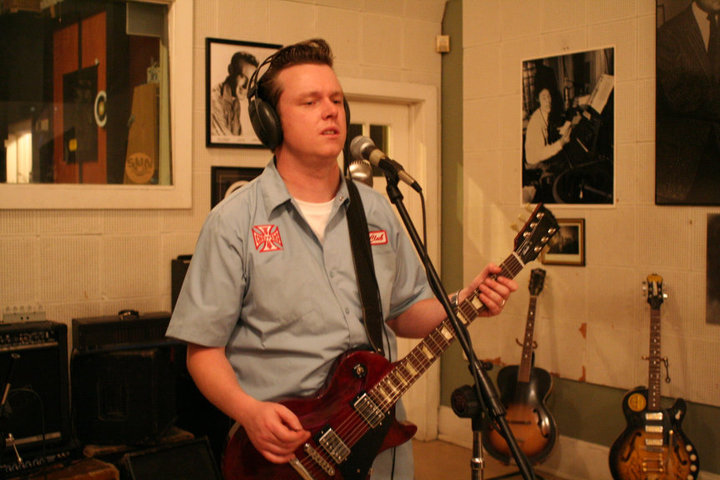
{"type": "Point", "coordinates": [80, 263]}
{"type": "Point", "coordinates": [593, 321]}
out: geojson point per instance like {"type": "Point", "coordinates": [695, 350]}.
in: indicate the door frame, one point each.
{"type": "Point", "coordinates": [424, 145]}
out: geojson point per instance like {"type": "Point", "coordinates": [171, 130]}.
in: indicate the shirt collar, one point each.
{"type": "Point", "coordinates": [275, 192]}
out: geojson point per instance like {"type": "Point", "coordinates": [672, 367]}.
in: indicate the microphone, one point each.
{"type": "Point", "coordinates": [364, 148]}
{"type": "Point", "coordinates": [361, 170]}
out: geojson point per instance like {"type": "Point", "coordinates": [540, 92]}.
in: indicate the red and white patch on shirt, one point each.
{"type": "Point", "coordinates": [267, 238]}
{"type": "Point", "coordinates": [378, 237]}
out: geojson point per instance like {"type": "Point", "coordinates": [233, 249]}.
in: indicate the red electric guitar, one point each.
{"type": "Point", "coordinates": [352, 418]}
{"type": "Point", "coordinates": [652, 446]}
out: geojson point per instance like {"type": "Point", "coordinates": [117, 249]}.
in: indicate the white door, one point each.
{"type": "Point", "coordinates": [392, 121]}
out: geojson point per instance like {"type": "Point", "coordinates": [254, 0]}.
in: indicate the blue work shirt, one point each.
{"type": "Point", "coordinates": [283, 304]}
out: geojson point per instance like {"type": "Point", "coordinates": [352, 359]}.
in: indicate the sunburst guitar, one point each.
{"type": "Point", "coordinates": [653, 445]}
{"type": "Point", "coordinates": [523, 391]}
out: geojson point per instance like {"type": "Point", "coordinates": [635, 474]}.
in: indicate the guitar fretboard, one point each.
{"type": "Point", "coordinates": [654, 359]}
{"type": "Point", "coordinates": [526, 360]}
{"type": "Point", "coordinates": [388, 391]}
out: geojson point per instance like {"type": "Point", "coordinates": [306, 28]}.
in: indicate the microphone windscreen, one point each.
{"type": "Point", "coordinates": [360, 147]}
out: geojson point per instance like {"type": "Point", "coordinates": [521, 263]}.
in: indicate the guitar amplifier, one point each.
{"type": "Point", "coordinates": [128, 327]}
{"type": "Point", "coordinates": [33, 361]}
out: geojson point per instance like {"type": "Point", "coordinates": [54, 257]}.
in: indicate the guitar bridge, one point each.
{"type": "Point", "coordinates": [317, 458]}
{"type": "Point", "coordinates": [370, 412]}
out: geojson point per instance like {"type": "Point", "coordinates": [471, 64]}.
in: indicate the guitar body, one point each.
{"type": "Point", "coordinates": [353, 374]}
{"type": "Point", "coordinates": [643, 451]}
{"type": "Point", "coordinates": [531, 423]}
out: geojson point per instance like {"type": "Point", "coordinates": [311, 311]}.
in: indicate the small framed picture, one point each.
{"type": "Point", "coordinates": [226, 180]}
{"type": "Point", "coordinates": [229, 64]}
{"type": "Point", "coordinates": [567, 247]}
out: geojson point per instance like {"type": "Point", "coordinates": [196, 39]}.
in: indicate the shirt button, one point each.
{"type": "Point", "coordinates": [332, 274]}
{"type": "Point", "coordinates": [347, 310]}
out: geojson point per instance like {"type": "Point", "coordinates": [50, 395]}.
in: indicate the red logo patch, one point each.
{"type": "Point", "coordinates": [378, 237]}
{"type": "Point", "coordinates": [267, 238]}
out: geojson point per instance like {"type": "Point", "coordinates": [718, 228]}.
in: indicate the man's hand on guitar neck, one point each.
{"type": "Point", "coordinates": [494, 289]}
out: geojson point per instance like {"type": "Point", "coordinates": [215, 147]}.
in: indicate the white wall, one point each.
{"type": "Point", "coordinates": [593, 321]}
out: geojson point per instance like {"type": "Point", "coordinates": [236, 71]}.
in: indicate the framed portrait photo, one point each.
{"type": "Point", "coordinates": [567, 247]}
{"type": "Point", "coordinates": [568, 125]}
{"type": "Point", "coordinates": [226, 180]}
{"type": "Point", "coordinates": [229, 64]}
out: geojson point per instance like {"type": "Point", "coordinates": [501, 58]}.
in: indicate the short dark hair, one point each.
{"type": "Point", "coordinates": [314, 51]}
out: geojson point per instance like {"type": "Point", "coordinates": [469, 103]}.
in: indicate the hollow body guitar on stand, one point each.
{"type": "Point", "coordinates": [653, 446]}
{"type": "Point", "coordinates": [351, 419]}
{"type": "Point", "coordinates": [523, 391]}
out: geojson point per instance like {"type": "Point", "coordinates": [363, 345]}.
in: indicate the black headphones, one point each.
{"type": "Point", "coordinates": [263, 117]}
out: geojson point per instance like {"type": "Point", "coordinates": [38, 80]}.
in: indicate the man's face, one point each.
{"type": "Point", "coordinates": [243, 79]}
{"type": "Point", "coordinates": [311, 112]}
{"type": "Point", "coordinates": [545, 100]}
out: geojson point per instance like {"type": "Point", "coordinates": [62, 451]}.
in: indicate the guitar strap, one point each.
{"type": "Point", "coordinates": [364, 268]}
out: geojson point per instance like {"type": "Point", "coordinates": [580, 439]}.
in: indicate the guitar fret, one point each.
{"type": "Point", "coordinates": [446, 333]}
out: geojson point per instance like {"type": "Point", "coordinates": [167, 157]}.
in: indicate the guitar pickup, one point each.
{"type": "Point", "coordinates": [333, 445]}
{"type": "Point", "coordinates": [367, 409]}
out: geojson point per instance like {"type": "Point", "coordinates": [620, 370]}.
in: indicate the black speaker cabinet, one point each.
{"type": "Point", "coordinates": [124, 396]}
{"type": "Point", "coordinates": [33, 360]}
{"type": "Point", "coordinates": [178, 269]}
{"type": "Point", "coordinates": [189, 460]}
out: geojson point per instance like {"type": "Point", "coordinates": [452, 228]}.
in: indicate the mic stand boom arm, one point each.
{"type": "Point", "coordinates": [485, 390]}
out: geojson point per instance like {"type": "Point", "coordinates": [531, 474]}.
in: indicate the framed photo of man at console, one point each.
{"type": "Point", "coordinates": [687, 113]}
{"type": "Point", "coordinates": [229, 64]}
{"type": "Point", "coordinates": [568, 128]}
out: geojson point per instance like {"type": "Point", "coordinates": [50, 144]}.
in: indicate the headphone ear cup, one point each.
{"type": "Point", "coordinates": [265, 122]}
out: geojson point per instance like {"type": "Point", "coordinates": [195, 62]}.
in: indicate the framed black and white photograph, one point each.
{"type": "Point", "coordinates": [687, 114]}
{"type": "Point", "coordinates": [568, 123]}
{"type": "Point", "coordinates": [226, 180]}
{"type": "Point", "coordinates": [229, 64]}
{"type": "Point", "coordinates": [567, 247]}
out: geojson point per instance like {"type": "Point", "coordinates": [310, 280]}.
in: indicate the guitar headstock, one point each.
{"type": "Point", "coordinates": [535, 234]}
{"type": "Point", "coordinates": [654, 287]}
{"type": "Point", "coordinates": [537, 280]}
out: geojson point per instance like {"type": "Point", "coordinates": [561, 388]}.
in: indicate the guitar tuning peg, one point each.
{"type": "Point", "coordinates": [515, 227]}
{"type": "Point", "coordinates": [528, 207]}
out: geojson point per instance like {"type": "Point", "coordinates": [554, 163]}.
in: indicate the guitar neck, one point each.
{"type": "Point", "coordinates": [526, 360]}
{"type": "Point", "coordinates": [406, 371]}
{"type": "Point", "coordinates": [654, 359]}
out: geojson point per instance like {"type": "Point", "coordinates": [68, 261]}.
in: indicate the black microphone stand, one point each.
{"type": "Point", "coordinates": [485, 390]}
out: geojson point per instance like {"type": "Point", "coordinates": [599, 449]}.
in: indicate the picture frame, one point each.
{"type": "Point", "coordinates": [686, 112]}
{"type": "Point", "coordinates": [567, 247]}
{"type": "Point", "coordinates": [567, 128]}
{"type": "Point", "coordinates": [225, 180]}
{"type": "Point", "coordinates": [229, 65]}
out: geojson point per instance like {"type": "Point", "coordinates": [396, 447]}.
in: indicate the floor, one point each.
{"type": "Point", "coordinates": [441, 460]}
